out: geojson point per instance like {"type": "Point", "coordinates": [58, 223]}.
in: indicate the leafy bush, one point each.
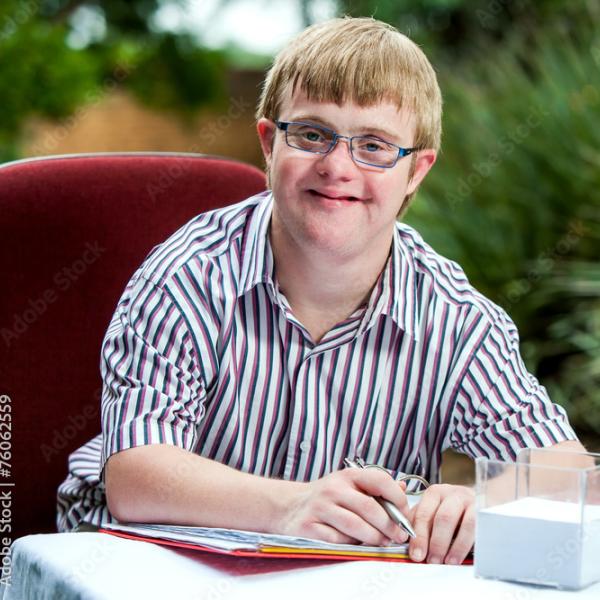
{"type": "Point", "coordinates": [174, 73]}
{"type": "Point", "coordinates": [39, 75]}
{"type": "Point", "coordinates": [43, 73]}
{"type": "Point", "coordinates": [515, 199]}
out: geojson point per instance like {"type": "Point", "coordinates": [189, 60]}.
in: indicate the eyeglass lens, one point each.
{"type": "Point", "coordinates": [367, 149]}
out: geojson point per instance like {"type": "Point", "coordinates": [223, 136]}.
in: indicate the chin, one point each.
{"type": "Point", "coordinates": [332, 240]}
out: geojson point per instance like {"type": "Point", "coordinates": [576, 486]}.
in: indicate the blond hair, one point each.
{"type": "Point", "coordinates": [360, 60]}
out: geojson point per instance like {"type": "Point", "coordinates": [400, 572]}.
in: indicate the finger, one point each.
{"type": "Point", "coordinates": [355, 526]}
{"type": "Point", "coordinates": [376, 482]}
{"type": "Point", "coordinates": [371, 511]}
{"type": "Point", "coordinates": [380, 485]}
{"type": "Point", "coordinates": [422, 515]}
{"type": "Point", "coordinates": [445, 523]}
{"type": "Point", "coordinates": [463, 543]}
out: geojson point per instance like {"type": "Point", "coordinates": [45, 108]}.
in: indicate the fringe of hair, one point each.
{"type": "Point", "coordinates": [360, 60]}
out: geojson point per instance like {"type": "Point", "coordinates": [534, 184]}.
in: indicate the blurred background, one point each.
{"type": "Point", "coordinates": [514, 197]}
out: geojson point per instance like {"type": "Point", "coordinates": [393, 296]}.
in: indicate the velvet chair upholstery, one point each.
{"type": "Point", "coordinates": [73, 229]}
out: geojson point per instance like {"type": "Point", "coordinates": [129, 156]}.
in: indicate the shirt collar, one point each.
{"type": "Point", "coordinates": [398, 299]}
{"type": "Point", "coordinates": [257, 257]}
{"type": "Point", "coordinates": [401, 300]}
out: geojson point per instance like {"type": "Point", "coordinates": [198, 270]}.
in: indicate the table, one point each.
{"type": "Point", "coordinates": [100, 566]}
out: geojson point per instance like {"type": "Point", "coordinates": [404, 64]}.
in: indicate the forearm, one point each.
{"type": "Point", "coordinates": [166, 484]}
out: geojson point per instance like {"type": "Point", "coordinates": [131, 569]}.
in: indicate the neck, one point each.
{"type": "Point", "coordinates": [321, 286]}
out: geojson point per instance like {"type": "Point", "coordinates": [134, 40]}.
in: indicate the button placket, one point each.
{"type": "Point", "coordinates": [305, 446]}
{"type": "Point", "coordinates": [298, 399]}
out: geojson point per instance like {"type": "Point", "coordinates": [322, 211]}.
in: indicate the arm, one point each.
{"type": "Point", "coordinates": [166, 484]}
{"type": "Point", "coordinates": [499, 409]}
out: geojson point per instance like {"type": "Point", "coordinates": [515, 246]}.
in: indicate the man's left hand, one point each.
{"type": "Point", "coordinates": [444, 521]}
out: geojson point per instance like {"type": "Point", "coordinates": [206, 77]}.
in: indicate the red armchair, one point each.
{"type": "Point", "coordinates": [73, 229]}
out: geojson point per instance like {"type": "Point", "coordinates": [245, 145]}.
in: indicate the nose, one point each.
{"type": "Point", "coordinates": [338, 162]}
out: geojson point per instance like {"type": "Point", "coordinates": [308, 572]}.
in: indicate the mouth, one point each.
{"type": "Point", "coordinates": [339, 198]}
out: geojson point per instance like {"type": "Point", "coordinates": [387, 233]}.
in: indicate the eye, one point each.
{"type": "Point", "coordinates": [311, 135]}
{"type": "Point", "coordinates": [372, 145]}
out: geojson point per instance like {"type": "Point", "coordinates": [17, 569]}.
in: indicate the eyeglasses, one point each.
{"type": "Point", "coordinates": [365, 149]}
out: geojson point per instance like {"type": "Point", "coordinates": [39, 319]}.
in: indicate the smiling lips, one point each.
{"type": "Point", "coordinates": [332, 196]}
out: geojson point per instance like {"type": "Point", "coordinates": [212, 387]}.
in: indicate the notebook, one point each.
{"type": "Point", "coordinates": [249, 543]}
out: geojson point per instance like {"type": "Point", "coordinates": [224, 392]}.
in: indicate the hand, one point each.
{"type": "Point", "coordinates": [341, 508]}
{"type": "Point", "coordinates": [444, 521]}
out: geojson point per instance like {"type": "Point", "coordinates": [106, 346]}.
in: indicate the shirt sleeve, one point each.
{"type": "Point", "coordinates": [500, 407]}
{"type": "Point", "coordinates": [154, 390]}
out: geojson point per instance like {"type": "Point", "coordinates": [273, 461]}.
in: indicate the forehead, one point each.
{"type": "Point", "coordinates": [349, 117]}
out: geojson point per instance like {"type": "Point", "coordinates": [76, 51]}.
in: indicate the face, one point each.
{"type": "Point", "coordinates": [328, 202]}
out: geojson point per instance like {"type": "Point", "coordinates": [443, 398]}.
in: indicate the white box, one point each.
{"type": "Point", "coordinates": [538, 519]}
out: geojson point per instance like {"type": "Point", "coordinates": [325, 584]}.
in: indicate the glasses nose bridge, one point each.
{"type": "Point", "coordinates": [336, 138]}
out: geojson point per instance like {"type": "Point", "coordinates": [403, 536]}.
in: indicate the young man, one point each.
{"type": "Point", "coordinates": [265, 342]}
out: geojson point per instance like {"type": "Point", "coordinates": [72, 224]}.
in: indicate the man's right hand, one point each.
{"type": "Point", "coordinates": [341, 508]}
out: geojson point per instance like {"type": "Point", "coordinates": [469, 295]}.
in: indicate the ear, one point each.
{"type": "Point", "coordinates": [266, 134]}
{"type": "Point", "coordinates": [424, 162]}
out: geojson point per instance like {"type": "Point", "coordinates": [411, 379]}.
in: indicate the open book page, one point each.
{"type": "Point", "coordinates": [234, 539]}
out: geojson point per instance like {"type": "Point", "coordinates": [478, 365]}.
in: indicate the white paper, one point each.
{"type": "Point", "coordinates": [235, 539]}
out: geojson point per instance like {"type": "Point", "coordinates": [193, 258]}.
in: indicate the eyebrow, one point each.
{"type": "Point", "coordinates": [383, 133]}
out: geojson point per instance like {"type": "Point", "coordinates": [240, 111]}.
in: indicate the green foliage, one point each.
{"type": "Point", "coordinates": [174, 73]}
{"type": "Point", "coordinates": [515, 199]}
{"type": "Point", "coordinates": [243, 59]}
{"type": "Point", "coordinates": [574, 339]}
{"type": "Point", "coordinates": [448, 29]}
{"type": "Point", "coordinates": [43, 73]}
{"type": "Point", "coordinates": [40, 75]}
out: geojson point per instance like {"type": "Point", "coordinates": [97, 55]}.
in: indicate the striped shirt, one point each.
{"type": "Point", "coordinates": [204, 353]}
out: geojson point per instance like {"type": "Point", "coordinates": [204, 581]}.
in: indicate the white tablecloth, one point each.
{"type": "Point", "coordinates": [95, 565]}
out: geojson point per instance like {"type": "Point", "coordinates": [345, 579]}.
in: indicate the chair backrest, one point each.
{"type": "Point", "coordinates": [73, 229]}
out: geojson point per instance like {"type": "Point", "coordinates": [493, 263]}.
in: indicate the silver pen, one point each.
{"type": "Point", "coordinates": [390, 508]}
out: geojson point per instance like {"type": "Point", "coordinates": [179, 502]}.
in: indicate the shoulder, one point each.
{"type": "Point", "coordinates": [445, 279]}
{"type": "Point", "coordinates": [211, 238]}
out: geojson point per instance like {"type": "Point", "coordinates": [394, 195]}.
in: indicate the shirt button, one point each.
{"type": "Point", "coordinates": [305, 446]}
